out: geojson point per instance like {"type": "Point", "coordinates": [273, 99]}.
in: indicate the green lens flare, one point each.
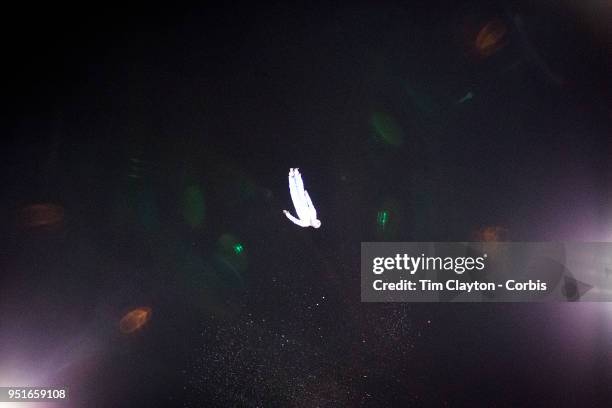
{"type": "Point", "coordinates": [387, 128]}
{"type": "Point", "coordinates": [383, 218]}
{"type": "Point", "coordinates": [193, 206]}
{"type": "Point", "coordinates": [231, 257]}
{"type": "Point", "coordinates": [238, 248]}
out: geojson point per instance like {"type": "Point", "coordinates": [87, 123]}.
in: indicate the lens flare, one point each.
{"type": "Point", "coordinates": [231, 258]}
{"type": "Point", "coordinates": [41, 215]}
{"type": "Point", "coordinates": [382, 218]}
{"type": "Point", "coordinates": [193, 206]}
{"type": "Point", "coordinates": [490, 233]}
{"type": "Point", "coordinates": [238, 248]}
{"type": "Point", "coordinates": [387, 129]}
{"type": "Point", "coordinates": [490, 38]}
{"type": "Point", "coordinates": [134, 320]}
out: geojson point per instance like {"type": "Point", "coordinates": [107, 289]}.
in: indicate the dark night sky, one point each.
{"type": "Point", "coordinates": [120, 122]}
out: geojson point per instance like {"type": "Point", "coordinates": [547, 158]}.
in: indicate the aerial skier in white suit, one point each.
{"type": "Point", "coordinates": [307, 214]}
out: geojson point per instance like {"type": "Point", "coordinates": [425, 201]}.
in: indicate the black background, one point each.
{"type": "Point", "coordinates": [228, 99]}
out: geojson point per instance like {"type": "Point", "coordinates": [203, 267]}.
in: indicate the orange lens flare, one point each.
{"type": "Point", "coordinates": [491, 233]}
{"type": "Point", "coordinates": [135, 320]}
{"type": "Point", "coordinates": [41, 215]}
{"type": "Point", "coordinates": [490, 38]}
